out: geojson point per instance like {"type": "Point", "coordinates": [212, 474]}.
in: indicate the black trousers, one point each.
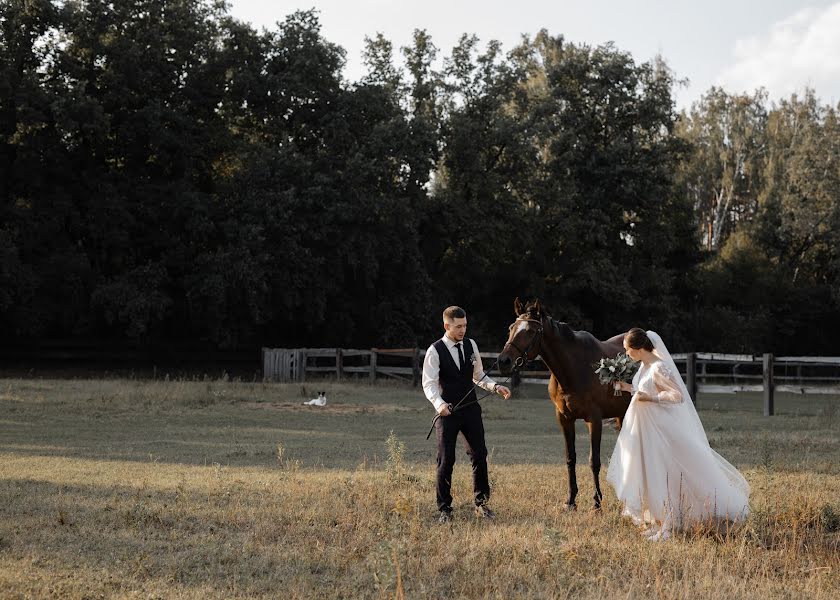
{"type": "Point", "coordinates": [468, 422]}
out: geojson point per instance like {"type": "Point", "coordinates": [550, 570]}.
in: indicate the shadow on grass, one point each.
{"type": "Point", "coordinates": [134, 537]}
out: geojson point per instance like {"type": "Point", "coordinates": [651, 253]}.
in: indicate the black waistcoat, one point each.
{"type": "Point", "coordinates": [454, 382]}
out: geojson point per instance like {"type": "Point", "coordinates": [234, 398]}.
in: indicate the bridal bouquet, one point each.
{"type": "Point", "coordinates": [612, 370]}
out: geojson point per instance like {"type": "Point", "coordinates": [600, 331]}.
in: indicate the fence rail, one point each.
{"type": "Point", "coordinates": [707, 372]}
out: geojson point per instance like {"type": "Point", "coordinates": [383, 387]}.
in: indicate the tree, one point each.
{"type": "Point", "coordinates": [802, 197]}
{"type": "Point", "coordinates": [42, 273]}
{"type": "Point", "coordinates": [611, 225]}
{"type": "Point", "coordinates": [723, 173]}
{"type": "Point", "coordinates": [772, 279]}
{"type": "Point", "coordinates": [476, 235]}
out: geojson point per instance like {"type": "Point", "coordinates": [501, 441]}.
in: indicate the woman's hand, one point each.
{"type": "Point", "coordinates": [623, 386]}
{"type": "Point", "coordinates": [643, 397]}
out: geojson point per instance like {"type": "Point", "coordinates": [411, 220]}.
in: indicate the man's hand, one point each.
{"type": "Point", "coordinates": [444, 411]}
{"type": "Point", "coordinates": [502, 391]}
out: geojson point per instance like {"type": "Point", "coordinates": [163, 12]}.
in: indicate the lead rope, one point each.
{"type": "Point", "coordinates": [457, 407]}
{"type": "Point", "coordinates": [517, 364]}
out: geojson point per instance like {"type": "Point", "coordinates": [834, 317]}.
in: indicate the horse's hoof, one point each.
{"type": "Point", "coordinates": [570, 507]}
{"type": "Point", "coordinates": [596, 508]}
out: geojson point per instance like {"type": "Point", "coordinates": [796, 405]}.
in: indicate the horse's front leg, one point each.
{"type": "Point", "coordinates": [595, 428]}
{"type": "Point", "coordinates": [568, 427]}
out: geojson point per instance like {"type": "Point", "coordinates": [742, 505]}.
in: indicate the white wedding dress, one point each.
{"type": "Point", "coordinates": [663, 469]}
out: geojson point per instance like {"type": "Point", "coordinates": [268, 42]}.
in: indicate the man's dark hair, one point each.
{"type": "Point", "coordinates": [453, 312]}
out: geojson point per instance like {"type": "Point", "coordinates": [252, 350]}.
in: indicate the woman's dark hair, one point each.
{"type": "Point", "coordinates": [638, 339]}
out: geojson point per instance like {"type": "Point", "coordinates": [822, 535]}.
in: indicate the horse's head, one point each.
{"type": "Point", "coordinates": [525, 335]}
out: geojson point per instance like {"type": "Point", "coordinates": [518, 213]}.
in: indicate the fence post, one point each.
{"type": "Point", "coordinates": [691, 375]}
{"type": "Point", "coordinates": [372, 365]}
{"type": "Point", "coordinates": [339, 364]}
{"type": "Point", "coordinates": [264, 363]}
{"type": "Point", "coordinates": [768, 385]}
{"type": "Point", "coordinates": [285, 366]}
{"type": "Point", "coordinates": [415, 367]}
{"type": "Point", "coordinates": [302, 371]}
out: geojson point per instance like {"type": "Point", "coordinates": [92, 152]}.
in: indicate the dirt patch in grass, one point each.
{"type": "Point", "coordinates": [331, 409]}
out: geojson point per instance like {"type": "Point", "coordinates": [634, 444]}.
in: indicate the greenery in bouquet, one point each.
{"type": "Point", "coordinates": [620, 368]}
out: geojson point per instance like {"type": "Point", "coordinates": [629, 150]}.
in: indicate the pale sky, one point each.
{"type": "Point", "coordinates": [740, 45]}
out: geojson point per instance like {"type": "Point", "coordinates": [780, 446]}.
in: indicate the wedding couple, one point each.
{"type": "Point", "coordinates": [663, 470]}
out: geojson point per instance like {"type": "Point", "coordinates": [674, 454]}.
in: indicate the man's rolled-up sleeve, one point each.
{"type": "Point", "coordinates": [431, 378]}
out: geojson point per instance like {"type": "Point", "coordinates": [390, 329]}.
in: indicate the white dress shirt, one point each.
{"type": "Point", "coordinates": [431, 371]}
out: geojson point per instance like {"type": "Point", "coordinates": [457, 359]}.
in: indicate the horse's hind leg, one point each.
{"type": "Point", "coordinates": [568, 427]}
{"type": "Point", "coordinates": [595, 427]}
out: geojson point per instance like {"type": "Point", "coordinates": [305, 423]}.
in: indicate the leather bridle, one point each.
{"type": "Point", "coordinates": [523, 354]}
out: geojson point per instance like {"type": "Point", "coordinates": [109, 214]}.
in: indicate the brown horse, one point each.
{"type": "Point", "coordinates": [573, 388]}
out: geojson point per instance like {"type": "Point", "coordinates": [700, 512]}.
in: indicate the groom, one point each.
{"type": "Point", "coordinates": [451, 371]}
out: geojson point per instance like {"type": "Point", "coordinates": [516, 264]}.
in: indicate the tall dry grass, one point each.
{"type": "Point", "coordinates": [211, 489]}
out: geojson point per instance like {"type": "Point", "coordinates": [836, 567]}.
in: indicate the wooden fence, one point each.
{"type": "Point", "coordinates": [287, 365]}
{"type": "Point", "coordinates": [702, 371]}
{"type": "Point", "coordinates": [729, 373]}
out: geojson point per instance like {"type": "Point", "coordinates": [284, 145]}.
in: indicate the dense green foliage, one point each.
{"type": "Point", "coordinates": [168, 173]}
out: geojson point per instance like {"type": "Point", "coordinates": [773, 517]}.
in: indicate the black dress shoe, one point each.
{"type": "Point", "coordinates": [483, 512]}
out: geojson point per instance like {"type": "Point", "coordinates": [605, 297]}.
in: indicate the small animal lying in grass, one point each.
{"type": "Point", "coordinates": [321, 400]}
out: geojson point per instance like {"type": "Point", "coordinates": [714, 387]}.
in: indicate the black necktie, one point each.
{"type": "Point", "coordinates": [460, 357]}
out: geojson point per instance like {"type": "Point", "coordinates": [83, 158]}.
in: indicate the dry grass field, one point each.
{"type": "Point", "coordinates": [220, 489]}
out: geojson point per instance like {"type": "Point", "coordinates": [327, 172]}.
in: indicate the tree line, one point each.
{"type": "Point", "coordinates": [169, 173]}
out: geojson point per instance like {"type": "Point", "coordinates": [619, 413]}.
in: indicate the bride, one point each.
{"type": "Point", "coordinates": [663, 469]}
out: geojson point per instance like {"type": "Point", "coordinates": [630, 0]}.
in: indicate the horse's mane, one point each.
{"type": "Point", "coordinates": [533, 312]}
{"type": "Point", "coordinates": [565, 331]}
{"type": "Point", "coordinates": [560, 328]}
